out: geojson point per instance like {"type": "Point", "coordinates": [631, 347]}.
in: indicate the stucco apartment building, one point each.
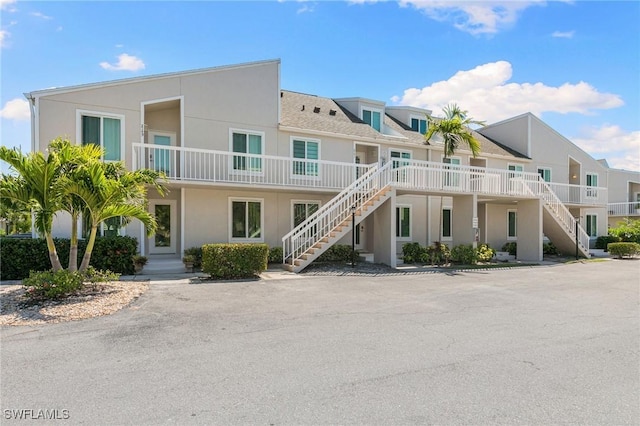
{"type": "Point", "coordinates": [249, 162]}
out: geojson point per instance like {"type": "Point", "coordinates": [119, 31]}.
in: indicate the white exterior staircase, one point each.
{"type": "Point", "coordinates": [334, 220]}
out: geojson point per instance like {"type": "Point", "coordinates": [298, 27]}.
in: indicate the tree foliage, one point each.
{"type": "Point", "coordinates": [74, 179]}
{"type": "Point", "coordinates": [455, 130]}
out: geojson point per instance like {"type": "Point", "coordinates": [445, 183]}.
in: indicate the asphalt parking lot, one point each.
{"type": "Point", "coordinates": [534, 345]}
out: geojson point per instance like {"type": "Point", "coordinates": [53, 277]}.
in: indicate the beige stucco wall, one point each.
{"type": "Point", "coordinates": [242, 97]}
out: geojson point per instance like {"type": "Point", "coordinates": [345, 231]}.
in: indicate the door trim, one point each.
{"type": "Point", "coordinates": [173, 210]}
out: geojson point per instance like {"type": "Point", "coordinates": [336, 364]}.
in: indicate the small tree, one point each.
{"type": "Point", "coordinates": [454, 130]}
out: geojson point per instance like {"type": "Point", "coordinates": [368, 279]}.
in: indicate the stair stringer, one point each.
{"type": "Point", "coordinates": [340, 231]}
{"type": "Point", "coordinates": [557, 223]}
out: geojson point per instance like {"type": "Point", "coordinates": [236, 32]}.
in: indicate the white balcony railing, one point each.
{"type": "Point", "coordinates": [624, 209]}
{"type": "Point", "coordinates": [580, 194]}
{"type": "Point", "coordinates": [199, 165]}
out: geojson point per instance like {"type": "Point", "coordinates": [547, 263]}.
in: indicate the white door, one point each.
{"type": "Point", "coordinates": [164, 240]}
{"type": "Point", "coordinates": [162, 160]}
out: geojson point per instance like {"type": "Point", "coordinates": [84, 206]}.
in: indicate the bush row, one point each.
{"type": "Point", "coordinates": [547, 248]}
{"type": "Point", "coordinates": [439, 253]}
{"type": "Point", "coordinates": [20, 256]}
{"type": "Point", "coordinates": [232, 261]}
{"type": "Point", "coordinates": [624, 249]}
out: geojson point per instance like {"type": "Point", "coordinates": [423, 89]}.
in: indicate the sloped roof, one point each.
{"type": "Point", "coordinates": [311, 112]}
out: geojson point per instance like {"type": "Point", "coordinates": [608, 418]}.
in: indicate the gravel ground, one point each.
{"type": "Point", "coordinates": [93, 301]}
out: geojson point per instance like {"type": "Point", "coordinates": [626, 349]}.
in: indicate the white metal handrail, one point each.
{"type": "Point", "coordinates": [200, 165]}
{"type": "Point", "coordinates": [333, 213]}
{"type": "Point", "coordinates": [631, 208]}
{"type": "Point", "coordinates": [580, 194]}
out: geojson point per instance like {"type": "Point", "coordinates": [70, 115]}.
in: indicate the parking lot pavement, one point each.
{"type": "Point", "coordinates": [532, 345]}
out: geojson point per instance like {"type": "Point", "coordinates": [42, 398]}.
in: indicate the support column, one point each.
{"type": "Point", "coordinates": [529, 230]}
{"type": "Point", "coordinates": [464, 210]}
{"type": "Point", "coordinates": [384, 232]}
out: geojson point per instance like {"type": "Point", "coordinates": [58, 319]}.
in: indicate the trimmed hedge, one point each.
{"type": "Point", "coordinates": [20, 256]}
{"type": "Point", "coordinates": [624, 249]}
{"type": "Point", "coordinates": [604, 240]}
{"type": "Point", "coordinates": [337, 253]}
{"type": "Point", "coordinates": [232, 261]}
{"type": "Point", "coordinates": [275, 255]}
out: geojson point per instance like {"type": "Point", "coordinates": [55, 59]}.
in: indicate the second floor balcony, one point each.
{"type": "Point", "coordinates": [190, 165]}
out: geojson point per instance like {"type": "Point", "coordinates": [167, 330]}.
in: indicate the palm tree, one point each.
{"type": "Point", "coordinates": [108, 190]}
{"type": "Point", "coordinates": [72, 159]}
{"type": "Point", "coordinates": [39, 187]}
{"type": "Point", "coordinates": [454, 130]}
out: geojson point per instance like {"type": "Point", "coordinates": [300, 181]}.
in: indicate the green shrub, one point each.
{"type": "Point", "coordinates": [337, 253]}
{"type": "Point", "coordinates": [275, 255]}
{"type": "Point", "coordinates": [627, 230]}
{"type": "Point", "coordinates": [231, 261]}
{"type": "Point", "coordinates": [465, 254]}
{"type": "Point", "coordinates": [45, 285]}
{"type": "Point", "coordinates": [196, 252]}
{"type": "Point", "coordinates": [624, 249]}
{"type": "Point", "coordinates": [437, 254]}
{"type": "Point", "coordinates": [413, 253]}
{"type": "Point", "coordinates": [20, 256]}
{"type": "Point", "coordinates": [510, 247]}
{"type": "Point", "coordinates": [603, 240]}
{"type": "Point", "coordinates": [484, 253]}
{"type": "Point", "coordinates": [549, 249]}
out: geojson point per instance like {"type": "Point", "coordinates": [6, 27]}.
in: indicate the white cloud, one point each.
{"type": "Point", "coordinates": [16, 109]}
{"type": "Point", "coordinates": [621, 148]}
{"type": "Point", "coordinates": [8, 5]}
{"type": "Point", "coordinates": [474, 17]}
{"type": "Point", "coordinates": [125, 63]}
{"type": "Point", "coordinates": [306, 8]}
{"type": "Point", "coordinates": [40, 15]}
{"type": "Point", "coordinates": [4, 35]}
{"type": "Point", "coordinates": [563, 34]}
{"type": "Point", "coordinates": [486, 93]}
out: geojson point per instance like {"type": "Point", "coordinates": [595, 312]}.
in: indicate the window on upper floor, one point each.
{"type": "Point", "coordinates": [592, 180]}
{"type": "Point", "coordinates": [250, 143]}
{"type": "Point", "coordinates": [451, 178]}
{"type": "Point", "coordinates": [102, 130]}
{"type": "Point", "coordinates": [419, 125]}
{"type": "Point", "coordinates": [373, 118]}
{"type": "Point", "coordinates": [545, 173]}
{"type": "Point", "coordinates": [308, 153]}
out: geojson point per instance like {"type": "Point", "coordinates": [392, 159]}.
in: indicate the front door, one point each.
{"type": "Point", "coordinates": [164, 240]}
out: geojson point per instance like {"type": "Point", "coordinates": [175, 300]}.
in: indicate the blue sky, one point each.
{"type": "Point", "coordinates": [576, 64]}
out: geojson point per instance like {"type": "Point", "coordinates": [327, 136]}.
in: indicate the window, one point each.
{"type": "Point", "coordinates": [372, 118]}
{"type": "Point", "coordinates": [592, 180]}
{"type": "Point", "coordinates": [403, 222]}
{"type": "Point", "coordinates": [515, 168]}
{"type": "Point", "coordinates": [104, 131]}
{"type": "Point", "coordinates": [399, 159]}
{"type": "Point", "coordinates": [109, 228]}
{"type": "Point", "coordinates": [247, 143]}
{"type": "Point", "coordinates": [397, 156]}
{"type": "Point", "coordinates": [419, 125]}
{"type": "Point", "coordinates": [451, 178]}
{"type": "Point", "coordinates": [512, 225]}
{"type": "Point", "coordinates": [246, 220]}
{"type": "Point", "coordinates": [592, 225]}
{"type": "Point", "coordinates": [446, 223]}
{"type": "Point", "coordinates": [302, 210]}
{"type": "Point", "coordinates": [545, 173]}
{"type": "Point", "coordinates": [307, 150]}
